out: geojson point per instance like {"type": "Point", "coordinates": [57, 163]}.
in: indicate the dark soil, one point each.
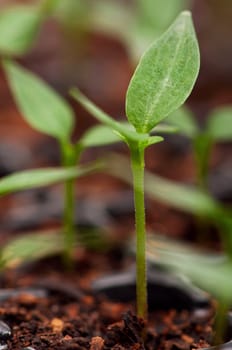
{"type": "Point", "coordinates": [61, 313]}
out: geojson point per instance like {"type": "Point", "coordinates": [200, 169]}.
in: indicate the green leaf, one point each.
{"type": "Point", "coordinates": [152, 140]}
{"type": "Point", "coordinates": [165, 76]}
{"type": "Point", "coordinates": [19, 26]}
{"type": "Point", "coordinates": [219, 126]}
{"type": "Point", "coordinates": [184, 120]}
{"type": "Point", "coordinates": [214, 277]}
{"type": "Point", "coordinates": [182, 197]}
{"type": "Point", "coordinates": [31, 247]}
{"type": "Point", "coordinates": [40, 177]}
{"type": "Point", "coordinates": [164, 129]}
{"type": "Point", "coordinates": [99, 135]}
{"type": "Point", "coordinates": [105, 119]}
{"type": "Point", "coordinates": [41, 106]}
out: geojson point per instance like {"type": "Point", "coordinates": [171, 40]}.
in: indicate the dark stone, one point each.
{"type": "Point", "coordinates": [5, 331]}
{"type": "Point", "coordinates": [165, 290]}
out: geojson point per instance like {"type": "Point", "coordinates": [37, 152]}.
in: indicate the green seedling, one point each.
{"type": "Point", "coordinates": [144, 20]}
{"type": "Point", "coordinates": [218, 128]}
{"type": "Point", "coordinates": [29, 179]}
{"type": "Point", "coordinates": [161, 83]}
{"type": "Point", "coordinates": [189, 199]}
{"type": "Point", "coordinates": [20, 26]}
{"type": "Point", "coordinates": [49, 113]}
{"type": "Point", "coordinates": [26, 180]}
{"type": "Point", "coordinates": [212, 274]}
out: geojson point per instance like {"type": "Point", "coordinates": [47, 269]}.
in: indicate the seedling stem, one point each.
{"type": "Point", "coordinates": [137, 165]}
{"type": "Point", "coordinates": [69, 159]}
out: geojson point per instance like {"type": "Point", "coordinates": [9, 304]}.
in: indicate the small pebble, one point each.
{"type": "Point", "coordinates": [57, 325]}
{"type": "Point", "coordinates": [97, 343]}
{"type": "Point", "coordinates": [5, 331]}
{"type": "Point", "coordinates": [28, 348]}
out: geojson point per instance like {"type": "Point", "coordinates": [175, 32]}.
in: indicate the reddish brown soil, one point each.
{"type": "Point", "coordinates": [67, 319]}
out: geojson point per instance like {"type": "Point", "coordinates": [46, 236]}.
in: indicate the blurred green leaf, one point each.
{"type": "Point", "coordinates": [184, 120]}
{"type": "Point", "coordinates": [219, 125]}
{"type": "Point", "coordinates": [48, 7]}
{"type": "Point", "coordinates": [183, 197]}
{"type": "Point", "coordinates": [164, 129]}
{"type": "Point", "coordinates": [212, 276]}
{"type": "Point", "coordinates": [111, 18]}
{"type": "Point", "coordinates": [19, 26]}
{"type": "Point", "coordinates": [41, 106]}
{"type": "Point", "coordinates": [156, 15]}
{"type": "Point", "coordinates": [40, 177]}
{"type": "Point", "coordinates": [31, 247]}
{"type": "Point", "coordinates": [99, 135]}
{"type": "Point", "coordinates": [152, 140]}
{"type": "Point", "coordinates": [165, 75]}
{"type": "Point", "coordinates": [121, 128]}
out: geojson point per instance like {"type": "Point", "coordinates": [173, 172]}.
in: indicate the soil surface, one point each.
{"type": "Point", "coordinates": [61, 312]}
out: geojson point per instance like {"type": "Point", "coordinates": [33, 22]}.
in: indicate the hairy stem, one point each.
{"type": "Point", "coordinates": [137, 164]}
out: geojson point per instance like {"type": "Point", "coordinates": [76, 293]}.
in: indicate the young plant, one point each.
{"type": "Point", "coordinates": [218, 128]}
{"type": "Point", "coordinates": [144, 20]}
{"type": "Point", "coordinates": [20, 25]}
{"type": "Point", "coordinates": [28, 179]}
{"type": "Point", "coordinates": [161, 83]}
{"type": "Point", "coordinates": [49, 113]}
{"type": "Point", "coordinates": [212, 274]}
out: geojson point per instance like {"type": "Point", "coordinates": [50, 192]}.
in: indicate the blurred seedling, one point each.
{"type": "Point", "coordinates": [30, 179]}
{"type": "Point", "coordinates": [49, 113]}
{"type": "Point", "coordinates": [161, 83]}
{"type": "Point", "coordinates": [218, 128]}
{"type": "Point", "coordinates": [210, 272]}
{"type": "Point", "coordinates": [134, 24]}
{"type": "Point", "coordinates": [21, 24]}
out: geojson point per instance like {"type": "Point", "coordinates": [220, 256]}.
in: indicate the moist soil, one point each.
{"type": "Point", "coordinates": [61, 312]}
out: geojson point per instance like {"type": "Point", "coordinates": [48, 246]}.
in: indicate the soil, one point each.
{"type": "Point", "coordinates": [61, 312]}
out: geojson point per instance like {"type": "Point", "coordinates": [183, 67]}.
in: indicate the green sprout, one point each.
{"type": "Point", "coordinates": [211, 273]}
{"type": "Point", "coordinates": [218, 128]}
{"type": "Point", "coordinates": [161, 83]}
{"type": "Point", "coordinates": [47, 112]}
{"type": "Point", "coordinates": [21, 24]}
